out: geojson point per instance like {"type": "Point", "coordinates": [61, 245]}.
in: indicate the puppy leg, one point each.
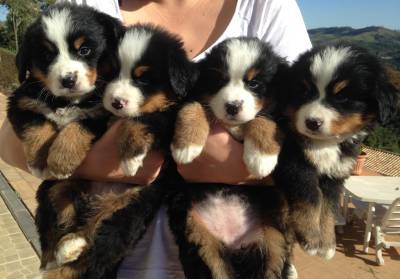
{"type": "Point", "coordinates": [327, 247]}
{"type": "Point", "coordinates": [305, 219]}
{"type": "Point", "coordinates": [134, 143]}
{"type": "Point", "coordinates": [36, 142]}
{"type": "Point", "coordinates": [191, 132]}
{"type": "Point", "coordinates": [209, 247]}
{"type": "Point", "coordinates": [276, 252]}
{"type": "Point", "coordinates": [262, 143]}
{"type": "Point", "coordinates": [68, 150]}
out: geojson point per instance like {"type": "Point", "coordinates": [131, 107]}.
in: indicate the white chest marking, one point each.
{"type": "Point", "coordinates": [328, 161]}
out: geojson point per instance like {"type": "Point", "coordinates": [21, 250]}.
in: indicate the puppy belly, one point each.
{"type": "Point", "coordinates": [229, 219]}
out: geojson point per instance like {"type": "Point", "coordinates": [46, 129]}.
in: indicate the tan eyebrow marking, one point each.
{"type": "Point", "coordinates": [339, 86]}
{"type": "Point", "coordinates": [252, 73]}
{"type": "Point", "coordinates": [79, 42]}
{"type": "Point", "coordinates": [140, 70]}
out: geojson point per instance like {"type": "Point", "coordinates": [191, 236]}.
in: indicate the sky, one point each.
{"type": "Point", "coordinates": [354, 13]}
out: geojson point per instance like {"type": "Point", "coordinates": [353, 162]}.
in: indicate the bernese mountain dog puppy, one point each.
{"type": "Point", "coordinates": [62, 63]}
{"type": "Point", "coordinates": [236, 87]}
{"type": "Point", "coordinates": [337, 95]}
{"type": "Point", "coordinates": [226, 231]}
{"type": "Point", "coordinates": [91, 225]}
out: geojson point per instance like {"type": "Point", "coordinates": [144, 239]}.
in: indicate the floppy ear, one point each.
{"type": "Point", "coordinates": [182, 73]}
{"type": "Point", "coordinates": [23, 59]}
{"type": "Point", "coordinates": [112, 26]}
{"type": "Point", "coordinates": [387, 97]}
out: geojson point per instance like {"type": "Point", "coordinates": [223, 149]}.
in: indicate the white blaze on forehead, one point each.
{"type": "Point", "coordinates": [131, 49]}
{"type": "Point", "coordinates": [57, 25]}
{"type": "Point", "coordinates": [324, 65]}
{"type": "Point", "coordinates": [241, 55]}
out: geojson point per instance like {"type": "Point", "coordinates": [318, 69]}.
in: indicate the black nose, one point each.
{"type": "Point", "coordinates": [119, 103]}
{"type": "Point", "coordinates": [68, 81]}
{"type": "Point", "coordinates": [233, 108]}
{"type": "Point", "coordinates": [314, 124]}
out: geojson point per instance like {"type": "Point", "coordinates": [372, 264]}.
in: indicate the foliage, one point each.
{"type": "Point", "coordinates": [8, 70]}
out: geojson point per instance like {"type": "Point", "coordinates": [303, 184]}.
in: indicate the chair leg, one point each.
{"type": "Point", "coordinates": [378, 245]}
{"type": "Point", "coordinates": [345, 206]}
{"type": "Point", "coordinates": [368, 227]}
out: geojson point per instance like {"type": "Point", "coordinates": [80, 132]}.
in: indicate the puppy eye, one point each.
{"type": "Point", "coordinates": [84, 51]}
{"type": "Point", "coordinates": [341, 98]}
{"type": "Point", "coordinates": [143, 80]}
{"type": "Point", "coordinates": [253, 84]}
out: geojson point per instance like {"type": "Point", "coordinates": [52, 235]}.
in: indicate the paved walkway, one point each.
{"type": "Point", "coordinates": [17, 257]}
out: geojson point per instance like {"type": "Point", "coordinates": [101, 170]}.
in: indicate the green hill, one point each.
{"type": "Point", "coordinates": [379, 40]}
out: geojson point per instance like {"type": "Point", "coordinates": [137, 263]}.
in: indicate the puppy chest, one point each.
{"type": "Point", "coordinates": [228, 219]}
{"type": "Point", "coordinates": [329, 160]}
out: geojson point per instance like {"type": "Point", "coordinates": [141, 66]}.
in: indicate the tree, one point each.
{"type": "Point", "coordinates": [20, 14]}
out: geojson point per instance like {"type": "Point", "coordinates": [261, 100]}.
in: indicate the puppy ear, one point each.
{"type": "Point", "coordinates": [23, 59]}
{"type": "Point", "coordinates": [182, 73]}
{"type": "Point", "coordinates": [387, 98]}
{"type": "Point", "coordinates": [112, 26]}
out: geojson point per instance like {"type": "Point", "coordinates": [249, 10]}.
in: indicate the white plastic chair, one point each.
{"type": "Point", "coordinates": [390, 224]}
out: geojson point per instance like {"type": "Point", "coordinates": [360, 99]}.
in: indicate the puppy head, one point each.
{"type": "Point", "coordinates": [339, 90]}
{"type": "Point", "coordinates": [237, 79]}
{"type": "Point", "coordinates": [64, 46]}
{"type": "Point", "coordinates": [154, 72]}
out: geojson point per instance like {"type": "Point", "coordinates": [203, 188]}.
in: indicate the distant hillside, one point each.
{"type": "Point", "coordinates": [381, 41]}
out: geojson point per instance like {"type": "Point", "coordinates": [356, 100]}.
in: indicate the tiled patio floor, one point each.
{"type": "Point", "coordinates": [18, 260]}
{"type": "Point", "coordinates": [349, 262]}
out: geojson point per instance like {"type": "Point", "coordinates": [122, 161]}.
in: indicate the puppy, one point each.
{"type": "Point", "coordinates": [338, 93]}
{"type": "Point", "coordinates": [232, 231]}
{"type": "Point", "coordinates": [93, 231]}
{"type": "Point", "coordinates": [57, 111]}
{"type": "Point", "coordinates": [236, 87]}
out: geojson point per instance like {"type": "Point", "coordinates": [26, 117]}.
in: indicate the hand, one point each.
{"type": "Point", "coordinates": [220, 162]}
{"type": "Point", "coordinates": [102, 163]}
{"type": "Point", "coordinates": [11, 150]}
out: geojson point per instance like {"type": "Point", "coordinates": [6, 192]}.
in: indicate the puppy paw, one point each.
{"type": "Point", "coordinates": [327, 253]}
{"type": "Point", "coordinates": [69, 250]}
{"type": "Point", "coordinates": [292, 272]}
{"type": "Point", "coordinates": [259, 164]}
{"type": "Point", "coordinates": [187, 154]}
{"type": "Point", "coordinates": [131, 166]}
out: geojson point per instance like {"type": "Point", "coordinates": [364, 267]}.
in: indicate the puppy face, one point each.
{"type": "Point", "coordinates": [153, 73]}
{"type": "Point", "coordinates": [64, 46]}
{"type": "Point", "coordinates": [338, 90]}
{"type": "Point", "coordinates": [236, 79]}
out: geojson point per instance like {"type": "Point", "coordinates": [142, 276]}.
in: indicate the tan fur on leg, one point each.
{"type": "Point", "coordinates": [274, 243]}
{"type": "Point", "coordinates": [134, 143]}
{"type": "Point", "coordinates": [209, 247]}
{"type": "Point", "coordinates": [36, 141]}
{"type": "Point", "coordinates": [68, 150]}
{"type": "Point", "coordinates": [262, 141]}
{"type": "Point", "coordinates": [191, 132]}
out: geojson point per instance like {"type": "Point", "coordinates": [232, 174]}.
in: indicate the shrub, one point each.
{"type": "Point", "coordinates": [8, 71]}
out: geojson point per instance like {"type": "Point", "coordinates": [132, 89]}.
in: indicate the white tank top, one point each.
{"type": "Point", "coordinates": [278, 22]}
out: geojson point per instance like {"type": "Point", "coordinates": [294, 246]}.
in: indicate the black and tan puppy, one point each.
{"type": "Point", "coordinates": [236, 86]}
{"type": "Point", "coordinates": [226, 231]}
{"type": "Point", "coordinates": [57, 111]}
{"type": "Point", "coordinates": [338, 93]}
{"type": "Point", "coordinates": [90, 226]}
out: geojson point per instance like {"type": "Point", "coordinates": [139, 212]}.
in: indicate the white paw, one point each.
{"type": "Point", "coordinates": [259, 164]}
{"type": "Point", "coordinates": [186, 155]}
{"type": "Point", "coordinates": [59, 176]}
{"type": "Point", "coordinates": [312, 251]}
{"type": "Point", "coordinates": [70, 250]}
{"type": "Point", "coordinates": [327, 254]}
{"type": "Point", "coordinates": [131, 166]}
{"type": "Point", "coordinates": [41, 174]}
{"type": "Point", "coordinates": [292, 272]}
{"type": "Point", "coordinates": [39, 276]}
